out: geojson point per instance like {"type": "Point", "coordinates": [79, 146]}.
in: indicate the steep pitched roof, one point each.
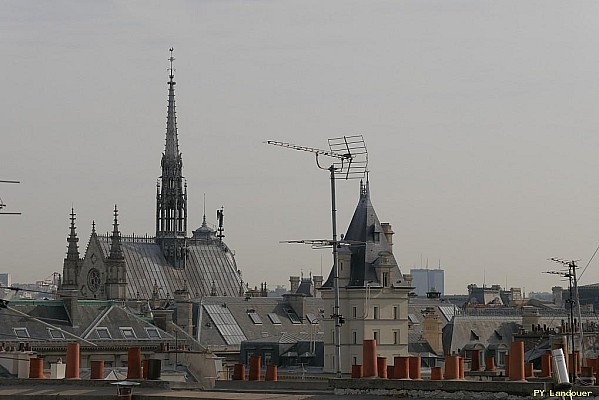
{"type": "Point", "coordinates": [367, 245]}
{"type": "Point", "coordinates": [206, 262]}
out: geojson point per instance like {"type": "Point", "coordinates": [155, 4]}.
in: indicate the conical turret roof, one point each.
{"type": "Point", "coordinates": [368, 244]}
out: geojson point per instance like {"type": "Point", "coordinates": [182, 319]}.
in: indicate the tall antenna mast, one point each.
{"type": "Point", "coordinates": [350, 160]}
{"type": "Point", "coordinates": [573, 300]}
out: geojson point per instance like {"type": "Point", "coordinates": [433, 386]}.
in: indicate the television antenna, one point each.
{"type": "Point", "coordinates": [2, 205]}
{"type": "Point", "coordinates": [350, 160]}
{"type": "Point", "coordinates": [324, 243]}
{"type": "Point", "coordinates": [573, 300]}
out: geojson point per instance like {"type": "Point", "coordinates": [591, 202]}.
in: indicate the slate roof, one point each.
{"type": "Point", "coordinates": [207, 261]}
{"type": "Point", "coordinates": [368, 244]}
{"type": "Point", "coordinates": [305, 287]}
{"type": "Point", "coordinates": [493, 328]}
{"type": "Point", "coordinates": [485, 330]}
{"type": "Point", "coordinates": [239, 309]}
{"type": "Point", "coordinates": [41, 318]}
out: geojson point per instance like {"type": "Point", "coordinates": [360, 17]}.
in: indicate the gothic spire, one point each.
{"type": "Point", "coordinates": [171, 198]}
{"type": "Point", "coordinates": [116, 252]}
{"type": "Point", "coordinates": [73, 249]}
{"type": "Point", "coordinates": [171, 150]}
{"type": "Point", "coordinates": [204, 217]}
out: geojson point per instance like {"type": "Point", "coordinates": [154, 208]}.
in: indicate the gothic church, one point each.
{"type": "Point", "coordinates": [117, 267]}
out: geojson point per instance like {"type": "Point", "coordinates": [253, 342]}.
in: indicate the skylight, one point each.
{"type": "Point", "coordinates": [293, 316]}
{"type": "Point", "coordinates": [21, 332]}
{"type": "Point", "coordinates": [225, 323]}
{"type": "Point", "coordinates": [103, 333]}
{"type": "Point", "coordinates": [153, 333]}
{"type": "Point", "coordinates": [274, 318]}
{"type": "Point", "coordinates": [56, 334]}
{"type": "Point", "coordinates": [128, 332]}
{"type": "Point", "coordinates": [312, 318]}
{"type": "Point", "coordinates": [255, 318]}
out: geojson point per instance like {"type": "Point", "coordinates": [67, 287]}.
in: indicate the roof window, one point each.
{"type": "Point", "coordinates": [255, 318]}
{"type": "Point", "coordinates": [128, 332]}
{"type": "Point", "coordinates": [274, 318]}
{"type": "Point", "coordinates": [103, 333]}
{"type": "Point", "coordinates": [153, 333]}
{"type": "Point", "coordinates": [21, 332]}
{"type": "Point", "coordinates": [55, 334]}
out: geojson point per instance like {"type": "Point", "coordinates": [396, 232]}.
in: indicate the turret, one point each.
{"type": "Point", "coordinates": [116, 278]}
{"type": "Point", "coordinates": [72, 262]}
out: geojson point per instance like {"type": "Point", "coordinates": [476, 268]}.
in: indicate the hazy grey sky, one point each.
{"type": "Point", "coordinates": [480, 118]}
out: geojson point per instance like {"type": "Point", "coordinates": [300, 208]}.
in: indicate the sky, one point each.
{"type": "Point", "coordinates": [480, 119]}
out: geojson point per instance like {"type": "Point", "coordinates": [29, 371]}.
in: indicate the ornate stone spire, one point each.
{"type": "Point", "coordinates": [171, 198]}
{"type": "Point", "coordinates": [71, 263]}
{"type": "Point", "coordinates": [73, 249]}
{"type": "Point", "coordinates": [116, 252]}
{"type": "Point", "coordinates": [171, 150]}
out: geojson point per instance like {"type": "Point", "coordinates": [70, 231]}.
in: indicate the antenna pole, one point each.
{"type": "Point", "coordinates": [572, 300]}
{"type": "Point", "coordinates": [351, 162]}
{"type": "Point", "coordinates": [572, 328]}
{"type": "Point", "coordinates": [336, 313]}
{"type": "Point", "coordinates": [577, 302]}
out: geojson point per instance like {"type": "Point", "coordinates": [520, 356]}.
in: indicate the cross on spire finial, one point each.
{"type": "Point", "coordinates": [171, 59]}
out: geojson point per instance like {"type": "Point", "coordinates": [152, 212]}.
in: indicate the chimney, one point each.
{"type": "Point", "coordinates": [530, 317]}
{"type": "Point", "coordinates": [295, 282]}
{"type": "Point", "coordinates": [408, 279]}
{"type": "Point", "coordinates": [432, 332]}
{"type": "Point", "coordinates": [388, 231]}
{"type": "Point", "coordinates": [557, 296]}
{"type": "Point", "coordinates": [317, 279]}
{"type": "Point", "coordinates": [184, 309]}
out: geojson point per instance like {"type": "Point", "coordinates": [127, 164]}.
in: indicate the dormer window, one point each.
{"type": "Point", "coordinates": [376, 236]}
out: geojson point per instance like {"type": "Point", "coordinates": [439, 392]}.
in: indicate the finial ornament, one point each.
{"type": "Point", "coordinates": [204, 217]}
{"type": "Point", "coordinates": [116, 215]}
{"type": "Point", "coordinates": [171, 59]}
